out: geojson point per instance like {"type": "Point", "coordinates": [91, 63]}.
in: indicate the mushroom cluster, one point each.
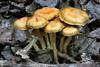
{"type": "Point", "coordinates": [48, 21]}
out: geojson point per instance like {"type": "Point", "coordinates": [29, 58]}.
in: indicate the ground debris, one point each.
{"type": "Point", "coordinates": [84, 48]}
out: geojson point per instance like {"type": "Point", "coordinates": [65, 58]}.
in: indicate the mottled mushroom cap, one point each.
{"type": "Point", "coordinates": [70, 31]}
{"type": "Point", "coordinates": [47, 12]}
{"type": "Point", "coordinates": [54, 26]}
{"type": "Point", "coordinates": [74, 16]}
{"type": "Point", "coordinates": [21, 23]}
{"type": "Point", "coordinates": [36, 22]}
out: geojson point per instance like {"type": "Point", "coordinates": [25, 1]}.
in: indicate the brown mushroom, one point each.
{"type": "Point", "coordinates": [47, 12]}
{"type": "Point", "coordinates": [52, 28]}
{"type": "Point", "coordinates": [21, 25]}
{"type": "Point", "coordinates": [72, 16]}
{"type": "Point", "coordinates": [37, 22]}
{"type": "Point", "coordinates": [68, 32]}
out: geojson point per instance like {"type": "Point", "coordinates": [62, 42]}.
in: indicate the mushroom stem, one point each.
{"type": "Point", "coordinates": [41, 40]}
{"type": "Point", "coordinates": [65, 56]}
{"type": "Point", "coordinates": [47, 40]}
{"type": "Point", "coordinates": [66, 43]}
{"type": "Point", "coordinates": [28, 35]}
{"type": "Point", "coordinates": [62, 43]}
{"type": "Point", "coordinates": [53, 46]}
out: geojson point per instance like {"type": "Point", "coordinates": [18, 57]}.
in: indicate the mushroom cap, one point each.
{"type": "Point", "coordinates": [74, 16]}
{"type": "Point", "coordinates": [54, 26]}
{"type": "Point", "coordinates": [70, 31]}
{"type": "Point", "coordinates": [47, 12]}
{"type": "Point", "coordinates": [21, 23]}
{"type": "Point", "coordinates": [36, 22]}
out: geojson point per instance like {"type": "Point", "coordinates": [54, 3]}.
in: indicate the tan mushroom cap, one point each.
{"type": "Point", "coordinates": [70, 31]}
{"type": "Point", "coordinates": [47, 12]}
{"type": "Point", "coordinates": [74, 16]}
{"type": "Point", "coordinates": [36, 22]}
{"type": "Point", "coordinates": [21, 23]}
{"type": "Point", "coordinates": [54, 26]}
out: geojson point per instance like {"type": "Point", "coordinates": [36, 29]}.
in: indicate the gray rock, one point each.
{"type": "Point", "coordinates": [94, 9]}
{"type": "Point", "coordinates": [6, 31]}
{"type": "Point", "coordinates": [95, 33]}
{"type": "Point", "coordinates": [50, 3]}
{"type": "Point", "coordinates": [20, 35]}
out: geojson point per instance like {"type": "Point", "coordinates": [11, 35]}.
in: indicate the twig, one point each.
{"type": "Point", "coordinates": [65, 56]}
{"type": "Point", "coordinates": [23, 52]}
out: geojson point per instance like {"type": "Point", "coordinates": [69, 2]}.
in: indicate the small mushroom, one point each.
{"type": "Point", "coordinates": [68, 32]}
{"type": "Point", "coordinates": [21, 25]}
{"type": "Point", "coordinates": [52, 28]}
{"type": "Point", "coordinates": [37, 22]}
{"type": "Point", "coordinates": [47, 12]}
{"type": "Point", "coordinates": [74, 16]}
